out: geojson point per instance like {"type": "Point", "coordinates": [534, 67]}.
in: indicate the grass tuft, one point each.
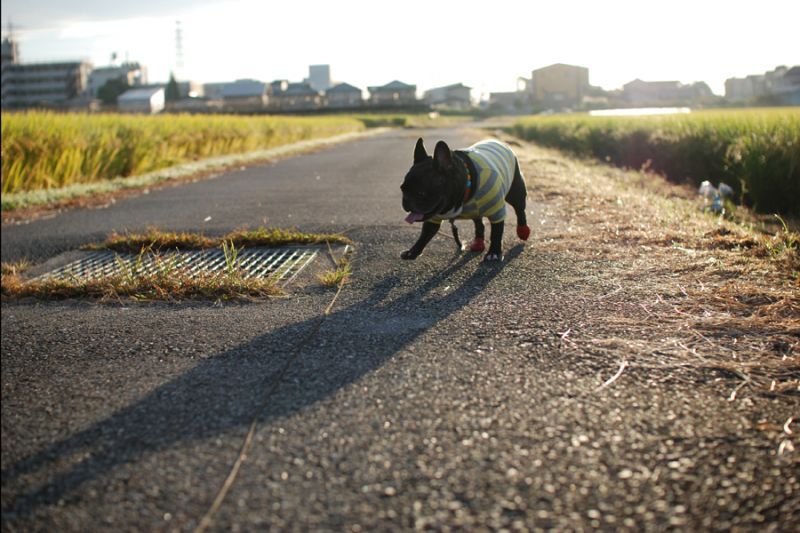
{"type": "Point", "coordinates": [16, 267]}
{"type": "Point", "coordinates": [156, 240]}
{"type": "Point", "coordinates": [338, 276]}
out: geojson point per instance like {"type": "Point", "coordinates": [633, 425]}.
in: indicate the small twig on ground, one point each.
{"type": "Point", "coordinates": [613, 378]}
{"type": "Point", "coordinates": [746, 379]}
{"type": "Point", "coordinates": [606, 295]}
{"type": "Point", "coordinates": [565, 339]}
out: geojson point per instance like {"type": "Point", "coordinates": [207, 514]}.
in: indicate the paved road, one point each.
{"type": "Point", "coordinates": [433, 395]}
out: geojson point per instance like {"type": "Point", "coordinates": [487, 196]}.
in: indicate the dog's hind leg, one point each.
{"type": "Point", "coordinates": [516, 196]}
{"type": "Point", "coordinates": [478, 244]}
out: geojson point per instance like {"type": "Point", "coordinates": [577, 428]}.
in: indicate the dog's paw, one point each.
{"type": "Point", "coordinates": [409, 254]}
{"type": "Point", "coordinates": [523, 232]}
{"type": "Point", "coordinates": [477, 245]}
{"type": "Point", "coordinates": [492, 258]}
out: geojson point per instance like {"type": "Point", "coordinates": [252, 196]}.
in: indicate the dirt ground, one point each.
{"type": "Point", "coordinates": [692, 296]}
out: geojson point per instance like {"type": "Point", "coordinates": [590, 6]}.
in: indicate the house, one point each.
{"type": "Point", "coordinates": [640, 92]}
{"type": "Point", "coordinates": [509, 102]}
{"type": "Point", "coordinates": [343, 96]}
{"type": "Point", "coordinates": [148, 100]}
{"type": "Point", "coordinates": [213, 91]}
{"type": "Point", "coordinates": [295, 97]}
{"type": "Point", "coordinates": [456, 96]}
{"type": "Point", "coordinates": [190, 89]}
{"type": "Point", "coordinates": [393, 94]}
{"type": "Point", "coordinates": [277, 86]}
{"type": "Point", "coordinates": [245, 95]}
{"type": "Point", "coordinates": [787, 87]}
{"type": "Point", "coordinates": [780, 86]}
{"type": "Point", "coordinates": [743, 89]}
{"type": "Point", "coordinates": [650, 92]}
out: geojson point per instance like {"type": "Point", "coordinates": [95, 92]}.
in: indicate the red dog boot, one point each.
{"type": "Point", "coordinates": [477, 245]}
{"type": "Point", "coordinates": [523, 232]}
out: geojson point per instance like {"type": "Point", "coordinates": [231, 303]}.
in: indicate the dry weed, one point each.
{"type": "Point", "coordinates": [682, 292]}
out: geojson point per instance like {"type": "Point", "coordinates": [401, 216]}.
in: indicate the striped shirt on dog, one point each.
{"type": "Point", "coordinates": [495, 163]}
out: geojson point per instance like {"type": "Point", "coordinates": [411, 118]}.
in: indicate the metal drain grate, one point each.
{"type": "Point", "coordinates": [276, 263]}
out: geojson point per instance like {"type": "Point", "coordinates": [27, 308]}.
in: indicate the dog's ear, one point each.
{"type": "Point", "coordinates": [419, 152]}
{"type": "Point", "coordinates": [442, 156]}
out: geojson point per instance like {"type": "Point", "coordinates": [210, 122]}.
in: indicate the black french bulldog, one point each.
{"type": "Point", "coordinates": [472, 183]}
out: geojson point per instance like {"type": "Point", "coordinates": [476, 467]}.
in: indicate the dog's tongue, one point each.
{"type": "Point", "coordinates": [414, 217]}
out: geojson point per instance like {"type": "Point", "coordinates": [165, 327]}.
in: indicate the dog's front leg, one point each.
{"type": "Point", "coordinates": [429, 229]}
{"type": "Point", "coordinates": [496, 245]}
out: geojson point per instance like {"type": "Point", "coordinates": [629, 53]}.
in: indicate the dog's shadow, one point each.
{"type": "Point", "coordinates": [224, 392]}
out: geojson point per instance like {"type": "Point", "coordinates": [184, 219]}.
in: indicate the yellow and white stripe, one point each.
{"type": "Point", "coordinates": [495, 163]}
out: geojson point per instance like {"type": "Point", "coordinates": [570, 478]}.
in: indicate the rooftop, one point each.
{"type": "Point", "coordinates": [139, 94]}
{"type": "Point", "coordinates": [343, 88]}
{"type": "Point", "coordinates": [393, 86]}
{"type": "Point", "coordinates": [243, 88]}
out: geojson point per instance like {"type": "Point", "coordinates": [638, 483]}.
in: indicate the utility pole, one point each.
{"type": "Point", "coordinates": [178, 47]}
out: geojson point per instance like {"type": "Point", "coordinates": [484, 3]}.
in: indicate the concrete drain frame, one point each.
{"type": "Point", "coordinates": [281, 264]}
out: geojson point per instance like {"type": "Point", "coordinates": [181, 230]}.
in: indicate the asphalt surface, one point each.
{"type": "Point", "coordinates": [434, 395]}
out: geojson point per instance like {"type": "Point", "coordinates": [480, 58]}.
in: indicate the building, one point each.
{"type": "Point", "coordinates": [786, 89]}
{"type": "Point", "coordinates": [43, 84]}
{"type": "Point", "coordinates": [509, 102]}
{"type": "Point", "coordinates": [57, 84]}
{"type": "Point", "coordinates": [319, 77]}
{"type": "Point", "coordinates": [744, 89]}
{"type": "Point", "coordinates": [149, 100]}
{"type": "Point", "coordinates": [9, 52]}
{"type": "Point", "coordinates": [131, 72]}
{"type": "Point", "coordinates": [638, 92]}
{"type": "Point", "coordinates": [649, 92]}
{"type": "Point", "coordinates": [559, 86]}
{"type": "Point", "coordinates": [393, 94]}
{"type": "Point", "coordinates": [456, 96]}
{"type": "Point", "coordinates": [213, 91]}
{"type": "Point", "coordinates": [294, 97]}
{"type": "Point", "coordinates": [277, 86]}
{"type": "Point", "coordinates": [343, 95]}
{"type": "Point", "coordinates": [776, 86]}
{"type": "Point", "coordinates": [190, 89]}
{"type": "Point", "coordinates": [245, 95]}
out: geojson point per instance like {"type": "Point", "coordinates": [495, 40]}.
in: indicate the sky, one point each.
{"type": "Point", "coordinates": [486, 45]}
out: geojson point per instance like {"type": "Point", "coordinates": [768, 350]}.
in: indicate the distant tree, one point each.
{"type": "Point", "coordinates": [111, 90]}
{"type": "Point", "coordinates": [172, 93]}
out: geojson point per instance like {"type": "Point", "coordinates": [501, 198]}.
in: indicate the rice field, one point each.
{"type": "Point", "coordinates": [44, 150]}
{"type": "Point", "coordinates": [755, 151]}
